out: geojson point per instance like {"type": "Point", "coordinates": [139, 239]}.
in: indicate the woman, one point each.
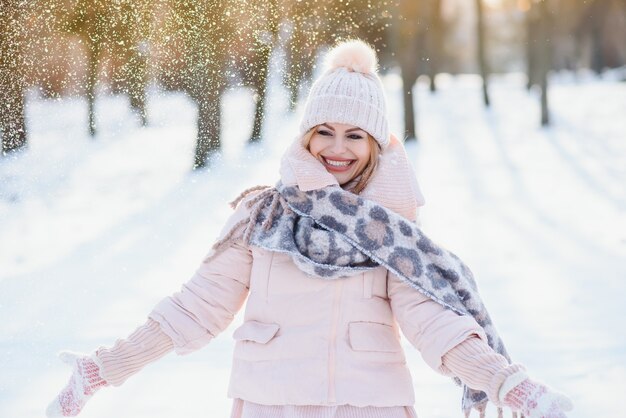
{"type": "Point", "coordinates": [332, 265]}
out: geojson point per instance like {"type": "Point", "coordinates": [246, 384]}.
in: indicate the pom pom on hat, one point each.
{"type": "Point", "coordinates": [349, 91]}
{"type": "Point", "coordinates": [353, 55]}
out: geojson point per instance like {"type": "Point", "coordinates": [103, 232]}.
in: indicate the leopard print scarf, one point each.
{"type": "Point", "coordinates": [332, 233]}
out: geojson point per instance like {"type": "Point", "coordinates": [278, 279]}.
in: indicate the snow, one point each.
{"type": "Point", "coordinates": [93, 233]}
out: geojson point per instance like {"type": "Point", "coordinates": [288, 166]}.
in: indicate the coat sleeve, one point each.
{"type": "Point", "coordinates": [429, 327]}
{"type": "Point", "coordinates": [208, 302]}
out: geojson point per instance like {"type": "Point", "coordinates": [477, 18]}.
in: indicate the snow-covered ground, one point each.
{"type": "Point", "coordinates": [94, 232]}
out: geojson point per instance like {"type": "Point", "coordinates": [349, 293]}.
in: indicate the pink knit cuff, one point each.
{"type": "Point", "coordinates": [479, 367]}
{"type": "Point", "coordinates": [145, 345]}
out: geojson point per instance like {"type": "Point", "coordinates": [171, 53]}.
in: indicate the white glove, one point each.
{"type": "Point", "coordinates": [533, 399]}
{"type": "Point", "coordinates": [83, 383]}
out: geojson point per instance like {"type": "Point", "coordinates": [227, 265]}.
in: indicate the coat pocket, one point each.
{"type": "Point", "coordinates": [258, 332]}
{"type": "Point", "coordinates": [373, 336]}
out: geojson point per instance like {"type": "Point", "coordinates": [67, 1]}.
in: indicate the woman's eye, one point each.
{"type": "Point", "coordinates": [355, 136]}
{"type": "Point", "coordinates": [323, 132]}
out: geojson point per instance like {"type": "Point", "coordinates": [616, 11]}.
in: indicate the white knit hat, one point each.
{"type": "Point", "coordinates": [349, 92]}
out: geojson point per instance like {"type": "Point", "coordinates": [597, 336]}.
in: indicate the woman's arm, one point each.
{"type": "Point", "coordinates": [146, 344]}
{"type": "Point", "coordinates": [190, 318]}
{"type": "Point", "coordinates": [478, 366]}
{"type": "Point", "coordinates": [183, 322]}
{"type": "Point", "coordinates": [208, 302]}
{"type": "Point", "coordinates": [429, 327]}
{"type": "Point", "coordinates": [450, 344]}
{"type": "Point", "coordinates": [456, 345]}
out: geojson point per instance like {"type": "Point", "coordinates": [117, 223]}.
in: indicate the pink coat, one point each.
{"type": "Point", "coordinates": [310, 341]}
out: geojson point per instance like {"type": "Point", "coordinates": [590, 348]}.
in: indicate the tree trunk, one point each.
{"type": "Point", "coordinates": [209, 125]}
{"type": "Point", "coordinates": [12, 123]}
{"type": "Point", "coordinates": [264, 48]}
{"type": "Point", "coordinates": [482, 60]}
{"type": "Point", "coordinates": [408, 81]}
{"type": "Point", "coordinates": [532, 46]}
{"type": "Point", "coordinates": [136, 72]}
{"type": "Point", "coordinates": [136, 51]}
{"type": "Point", "coordinates": [410, 43]}
{"type": "Point", "coordinates": [545, 59]}
{"type": "Point", "coordinates": [260, 95]}
{"type": "Point", "coordinates": [93, 49]}
{"type": "Point", "coordinates": [435, 44]}
{"type": "Point", "coordinates": [300, 49]}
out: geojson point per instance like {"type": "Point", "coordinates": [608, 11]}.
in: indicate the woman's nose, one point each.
{"type": "Point", "coordinates": [339, 145]}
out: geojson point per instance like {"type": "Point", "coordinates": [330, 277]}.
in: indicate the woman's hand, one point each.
{"type": "Point", "coordinates": [83, 383]}
{"type": "Point", "coordinates": [533, 399]}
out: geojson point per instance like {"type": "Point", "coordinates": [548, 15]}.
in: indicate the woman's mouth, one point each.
{"type": "Point", "coordinates": [337, 164]}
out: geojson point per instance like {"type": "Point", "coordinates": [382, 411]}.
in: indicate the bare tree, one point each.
{"type": "Point", "coordinates": [601, 24]}
{"type": "Point", "coordinates": [435, 42]}
{"type": "Point", "coordinates": [545, 58]}
{"type": "Point", "coordinates": [208, 45]}
{"type": "Point", "coordinates": [301, 47]}
{"type": "Point", "coordinates": [129, 41]}
{"type": "Point", "coordinates": [12, 83]}
{"type": "Point", "coordinates": [90, 20]}
{"type": "Point", "coordinates": [539, 51]}
{"type": "Point", "coordinates": [121, 29]}
{"type": "Point", "coordinates": [204, 44]}
{"type": "Point", "coordinates": [482, 58]}
{"type": "Point", "coordinates": [252, 52]}
{"type": "Point", "coordinates": [409, 42]}
{"type": "Point", "coordinates": [416, 39]}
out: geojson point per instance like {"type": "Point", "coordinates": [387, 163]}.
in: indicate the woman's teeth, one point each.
{"type": "Point", "coordinates": [337, 163]}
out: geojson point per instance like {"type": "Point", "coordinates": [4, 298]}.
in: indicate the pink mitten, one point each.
{"type": "Point", "coordinates": [533, 399]}
{"type": "Point", "coordinates": [84, 382]}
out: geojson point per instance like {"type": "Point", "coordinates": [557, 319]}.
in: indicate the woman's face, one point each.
{"type": "Point", "coordinates": [343, 149]}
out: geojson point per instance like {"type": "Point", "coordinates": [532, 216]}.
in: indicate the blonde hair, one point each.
{"type": "Point", "coordinates": [369, 169]}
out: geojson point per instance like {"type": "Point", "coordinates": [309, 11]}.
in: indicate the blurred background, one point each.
{"type": "Point", "coordinates": [59, 48]}
{"type": "Point", "coordinates": [127, 125]}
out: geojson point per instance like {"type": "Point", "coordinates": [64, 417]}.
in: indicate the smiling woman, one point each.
{"type": "Point", "coordinates": [331, 265]}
